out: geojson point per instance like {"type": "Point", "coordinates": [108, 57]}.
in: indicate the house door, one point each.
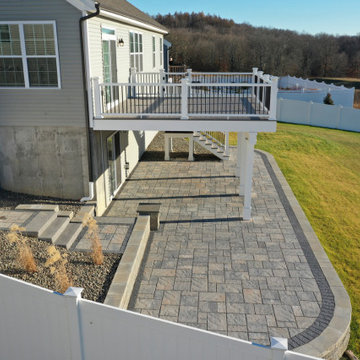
{"type": "Point", "coordinates": [109, 66]}
{"type": "Point", "coordinates": [113, 178]}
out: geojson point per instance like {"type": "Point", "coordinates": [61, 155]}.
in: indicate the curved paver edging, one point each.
{"type": "Point", "coordinates": [328, 336]}
{"type": "Point", "coordinates": [122, 285]}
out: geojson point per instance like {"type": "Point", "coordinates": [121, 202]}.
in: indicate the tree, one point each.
{"type": "Point", "coordinates": [328, 100]}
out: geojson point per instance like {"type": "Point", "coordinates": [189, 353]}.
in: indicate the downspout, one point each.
{"type": "Point", "coordinates": [86, 101]}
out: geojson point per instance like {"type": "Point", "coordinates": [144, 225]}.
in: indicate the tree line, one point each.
{"type": "Point", "coordinates": [210, 43]}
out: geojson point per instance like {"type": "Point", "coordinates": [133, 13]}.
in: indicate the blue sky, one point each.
{"type": "Point", "coordinates": [310, 16]}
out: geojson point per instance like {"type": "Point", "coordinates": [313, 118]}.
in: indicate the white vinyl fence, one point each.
{"type": "Point", "coordinates": [293, 88]}
{"type": "Point", "coordinates": [38, 324]}
{"type": "Point", "coordinates": [310, 113]}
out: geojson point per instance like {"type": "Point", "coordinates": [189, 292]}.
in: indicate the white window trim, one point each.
{"type": "Point", "coordinates": [24, 57]}
{"type": "Point", "coordinates": [108, 36]}
{"type": "Point", "coordinates": [153, 45]}
{"type": "Point", "coordinates": [137, 52]}
{"type": "Point", "coordinates": [161, 43]}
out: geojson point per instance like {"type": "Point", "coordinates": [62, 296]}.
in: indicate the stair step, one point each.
{"type": "Point", "coordinates": [55, 229]}
{"type": "Point", "coordinates": [69, 235]}
{"type": "Point", "coordinates": [85, 210]}
{"type": "Point", "coordinates": [214, 146]}
{"type": "Point", "coordinates": [220, 150]}
{"type": "Point", "coordinates": [66, 213]}
{"type": "Point", "coordinates": [40, 223]}
{"type": "Point", "coordinates": [38, 207]}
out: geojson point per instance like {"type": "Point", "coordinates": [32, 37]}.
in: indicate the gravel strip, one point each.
{"type": "Point", "coordinates": [94, 279]}
{"type": "Point", "coordinates": [9, 200]}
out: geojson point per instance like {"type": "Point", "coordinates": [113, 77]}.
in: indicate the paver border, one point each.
{"type": "Point", "coordinates": [329, 335]}
{"type": "Point", "coordinates": [122, 285]}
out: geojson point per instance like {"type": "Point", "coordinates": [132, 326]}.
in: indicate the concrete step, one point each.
{"type": "Point", "coordinates": [40, 223]}
{"type": "Point", "coordinates": [38, 207]}
{"type": "Point", "coordinates": [55, 229]}
{"type": "Point", "coordinates": [65, 213]}
{"type": "Point", "coordinates": [85, 210]}
{"type": "Point", "coordinates": [69, 235]}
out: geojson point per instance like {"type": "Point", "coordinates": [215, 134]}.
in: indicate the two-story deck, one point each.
{"type": "Point", "coordinates": [195, 102]}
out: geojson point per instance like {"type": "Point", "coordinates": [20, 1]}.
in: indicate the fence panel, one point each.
{"type": "Point", "coordinates": [309, 113]}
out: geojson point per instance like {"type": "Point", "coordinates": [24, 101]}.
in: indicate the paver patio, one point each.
{"type": "Point", "coordinates": [207, 268]}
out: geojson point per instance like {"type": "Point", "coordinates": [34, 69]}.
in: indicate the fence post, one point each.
{"type": "Point", "coordinates": [97, 97]}
{"type": "Point", "coordinates": [273, 97]}
{"type": "Point", "coordinates": [309, 113]}
{"type": "Point", "coordinates": [184, 99]}
{"type": "Point", "coordinates": [72, 298]}
{"type": "Point", "coordinates": [278, 348]}
{"type": "Point", "coordinates": [340, 109]}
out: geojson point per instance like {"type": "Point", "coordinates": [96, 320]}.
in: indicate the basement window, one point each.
{"type": "Point", "coordinates": [29, 55]}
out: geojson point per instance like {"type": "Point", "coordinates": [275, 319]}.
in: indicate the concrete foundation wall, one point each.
{"type": "Point", "coordinates": [47, 161]}
{"type": "Point", "coordinates": [132, 145]}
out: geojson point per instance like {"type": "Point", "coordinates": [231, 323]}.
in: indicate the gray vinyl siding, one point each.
{"type": "Point", "coordinates": [49, 107]}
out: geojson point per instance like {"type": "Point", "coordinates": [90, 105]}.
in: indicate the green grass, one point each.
{"type": "Point", "coordinates": [322, 166]}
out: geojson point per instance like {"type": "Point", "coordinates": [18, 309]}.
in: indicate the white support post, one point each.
{"type": "Point", "coordinates": [279, 346]}
{"type": "Point", "coordinates": [191, 148]}
{"type": "Point", "coordinates": [162, 82]}
{"type": "Point", "coordinates": [97, 97]}
{"type": "Point", "coordinates": [73, 297]}
{"type": "Point", "coordinates": [249, 165]}
{"type": "Point", "coordinates": [238, 165]}
{"type": "Point", "coordinates": [242, 162]}
{"type": "Point", "coordinates": [254, 73]}
{"type": "Point", "coordinates": [184, 99]}
{"type": "Point", "coordinates": [167, 147]}
{"type": "Point", "coordinates": [273, 98]}
{"type": "Point", "coordinates": [227, 147]}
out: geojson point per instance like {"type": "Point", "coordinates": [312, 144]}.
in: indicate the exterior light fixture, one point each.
{"type": "Point", "coordinates": [121, 42]}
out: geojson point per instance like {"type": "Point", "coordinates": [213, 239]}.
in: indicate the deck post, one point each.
{"type": "Point", "coordinates": [184, 99]}
{"type": "Point", "coordinates": [254, 73]}
{"type": "Point", "coordinates": [242, 160]}
{"type": "Point", "coordinates": [273, 97]}
{"type": "Point", "coordinates": [249, 165]}
{"type": "Point", "coordinates": [97, 97]}
{"type": "Point", "coordinates": [189, 75]}
{"type": "Point", "coordinates": [167, 147]}
{"type": "Point", "coordinates": [227, 143]}
{"type": "Point", "coordinates": [191, 148]}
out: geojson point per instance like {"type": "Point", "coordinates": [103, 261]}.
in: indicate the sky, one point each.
{"type": "Point", "coordinates": [310, 16]}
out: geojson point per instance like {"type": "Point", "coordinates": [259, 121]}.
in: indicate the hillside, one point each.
{"type": "Point", "coordinates": [210, 43]}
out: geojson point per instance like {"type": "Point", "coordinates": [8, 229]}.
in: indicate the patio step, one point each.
{"type": "Point", "coordinates": [55, 229]}
{"type": "Point", "coordinates": [40, 223]}
{"type": "Point", "coordinates": [69, 235]}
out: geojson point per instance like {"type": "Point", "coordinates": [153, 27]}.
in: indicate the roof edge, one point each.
{"type": "Point", "coordinates": [83, 5]}
{"type": "Point", "coordinates": [128, 20]}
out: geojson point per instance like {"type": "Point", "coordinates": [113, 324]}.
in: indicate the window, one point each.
{"type": "Point", "coordinates": [136, 50]}
{"type": "Point", "coordinates": [28, 55]}
{"type": "Point", "coordinates": [161, 52]}
{"type": "Point", "coordinates": [154, 51]}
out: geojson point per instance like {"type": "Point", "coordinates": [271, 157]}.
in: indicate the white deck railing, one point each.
{"type": "Point", "coordinates": [188, 95]}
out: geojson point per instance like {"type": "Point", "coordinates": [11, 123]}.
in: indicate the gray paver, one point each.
{"type": "Point", "coordinates": [217, 270]}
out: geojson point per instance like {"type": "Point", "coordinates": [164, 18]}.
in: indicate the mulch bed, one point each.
{"type": "Point", "coordinates": [95, 279]}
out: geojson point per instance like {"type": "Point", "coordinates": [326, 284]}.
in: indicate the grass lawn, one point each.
{"type": "Point", "coordinates": [322, 166]}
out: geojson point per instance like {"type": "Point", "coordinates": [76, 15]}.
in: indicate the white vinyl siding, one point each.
{"type": "Point", "coordinates": [28, 55]}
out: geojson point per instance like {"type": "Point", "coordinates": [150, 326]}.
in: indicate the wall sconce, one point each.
{"type": "Point", "coordinates": [121, 42]}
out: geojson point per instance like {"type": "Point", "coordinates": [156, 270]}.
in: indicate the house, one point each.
{"type": "Point", "coordinates": [83, 92]}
